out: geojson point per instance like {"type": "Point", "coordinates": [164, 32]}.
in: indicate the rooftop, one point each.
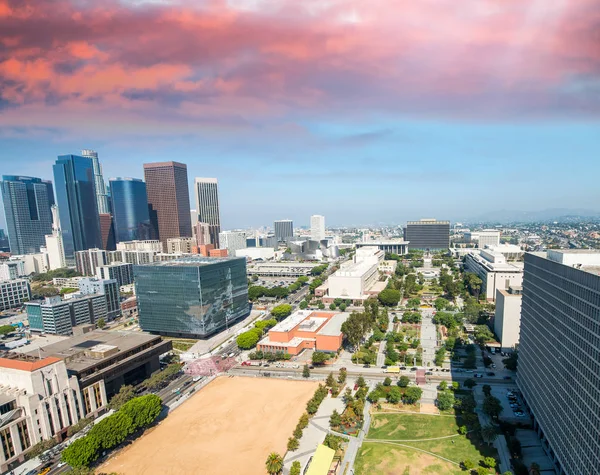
{"type": "Point", "coordinates": [292, 321]}
{"type": "Point", "coordinates": [25, 362]}
{"type": "Point", "coordinates": [334, 326]}
{"type": "Point", "coordinates": [192, 261]}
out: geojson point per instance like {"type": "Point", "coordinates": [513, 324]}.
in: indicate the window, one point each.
{"type": "Point", "coordinates": [98, 395]}
{"type": "Point", "coordinates": [86, 400]}
{"type": "Point", "coordinates": [7, 444]}
{"type": "Point", "coordinates": [23, 434]}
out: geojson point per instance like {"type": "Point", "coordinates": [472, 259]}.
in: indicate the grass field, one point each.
{"type": "Point", "coordinates": [404, 432]}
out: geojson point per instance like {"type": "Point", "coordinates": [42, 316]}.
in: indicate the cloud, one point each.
{"type": "Point", "coordinates": [256, 62]}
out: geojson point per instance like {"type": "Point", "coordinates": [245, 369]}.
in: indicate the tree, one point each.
{"type": "Point", "coordinates": [412, 394]}
{"type": "Point", "coordinates": [413, 303]}
{"type": "Point", "coordinates": [293, 444]}
{"type": "Point", "coordinates": [305, 372]}
{"type": "Point", "coordinates": [403, 382]}
{"type": "Point", "coordinates": [281, 311]}
{"type": "Point", "coordinates": [373, 396]}
{"type": "Point", "coordinates": [143, 410]}
{"type": "Point", "coordinates": [483, 471]}
{"type": "Point", "coordinates": [335, 420]}
{"type": "Point", "coordinates": [512, 361]}
{"type": "Point", "coordinates": [296, 468]}
{"type": "Point", "coordinates": [113, 430]}
{"type": "Point", "coordinates": [274, 463]}
{"type": "Point", "coordinates": [342, 376]}
{"type": "Point", "coordinates": [6, 329]}
{"type": "Point", "coordinates": [440, 304]}
{"type": "Point", "coordinates": [473, 283]}
{"type": "Point", "coordinates": [361, 382]}
{"type": "Point", "coordinates": [395, 395]}
{"type": "Point", "coordinates": [321, 306]}
{"type": "Point", "coordinates": [343, 307]}
{"type": "Point", "coordinates": [333, 441]}
{"type": "Point", "coordinates": [101, 323]}
{"type": "Point", "coordinates": [468, 464]}
{"type": "Point", "coordinates": [469, 383]}
{"type": "Point", "coordinates": [126, 393]}
{"type": "Point", "coordinates": [319, 357]}
{"type": "Point", "coordinates": [330, 380]}
{"type": "Point", "coordinates": [483, 334]}
{"type": "Point", "coordinates": [462, 430]}
{"type": "Point", "coordinates": [303, 422]}
{"type": "Point", "coordinates": [489, 462]}
{"type": "Point", "coordinates": [455, 385]}
{"type": "Point", "coordinates": [387, 381]}
{"type": "Point", "coordinates": [247, 340]}
{"type": "Point", "coordinates": [492, 406]}
{"type": "Point", "coordinates": [82, 452]}
{"type": "Point", "coordinates": [303, 305]}
{"type": "Point", "coordinates": [487, 389]}
{"type": "Point", "coordinates": [443, 386]}
{"type": "Point", "coordinates": [332, 306]}
{"type": "Point", "coordinates": [445, 400]}
{"type": "Point", "coordinates": [389, 297]}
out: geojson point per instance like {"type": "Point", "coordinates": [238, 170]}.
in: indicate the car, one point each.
{"type": "Point", "coordinates": [414, 368]}
{"type": "Point", "coordinates": [458, 370]}
{"type": "Point", "coordinates": [520, 414]}
{"type": "Point", "coordinates": [311, 367]}
{"type": "Point", "coordinates": [469, 371]}
{"type": "Point", "coordinates": [477, 375]}
{"type": "Point", "coordinates": [266, 365]}
{"type": "Point", "coordinates": [402, 368]}
{"type": "Point", "coordinates": [428, 373]}
{"type": "Point", "coordinates": [493, 365]}
{"type": "Point", "coordinates": [367, 365]}
{"type": "Point", "coordinates": [491, 374]}
{"type": "Point", "coordinates": [356, 386]}
{"type": "Point", "coordinates": [384, 367]}
{"type": "Point", "coordinates": [508, 378]}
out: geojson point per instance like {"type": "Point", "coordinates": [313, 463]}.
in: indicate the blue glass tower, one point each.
{"type": "Point", "coordinates": [27, 210]}
{"type": "Point", "coordinates": [130, 209]}
{"type": "Point", "coordinates": [76, 199]}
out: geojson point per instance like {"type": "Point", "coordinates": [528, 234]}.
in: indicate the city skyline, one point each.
{"type": "Point", "coordinates": [486, 96]}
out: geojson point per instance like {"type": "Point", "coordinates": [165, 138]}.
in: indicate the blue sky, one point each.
{"type": "Point", "coordinates": [365, 112]}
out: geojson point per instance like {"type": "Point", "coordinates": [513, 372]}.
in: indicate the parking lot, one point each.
{"type": "Point", "coordinates": [517, 413]}
{"type": "Point", "coordinates": [271, 282]}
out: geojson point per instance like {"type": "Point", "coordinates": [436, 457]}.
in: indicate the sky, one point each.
{"type": "Point", "coordinates": [367, 112]}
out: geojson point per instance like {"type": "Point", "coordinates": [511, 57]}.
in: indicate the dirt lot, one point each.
{"type": "Point", "coordinates": [228, 427]}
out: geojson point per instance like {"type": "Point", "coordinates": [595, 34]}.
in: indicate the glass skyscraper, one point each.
{"type": "Point", "coordinates": [76, 199]}
{"type": "Point", "coordinates": [27, 209]}
{"type": "Point", "coordinates": [130, 209]}
{"type": "Point", "coordinates": [191, 297]}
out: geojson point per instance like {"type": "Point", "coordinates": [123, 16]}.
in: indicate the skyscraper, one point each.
{"type": "Point", "coordinates": [427, 234]}
{"type": "Point", "coordinates": [207, 206]}
{"type": "Point", "coordinates": [130, 209]}
{"type": "Point", "coordinates": [559, 355]}
{"type": "Point", "coordinates": [168, 199]}
{"type": "Point", "coordinates": [101, 196]}
{"type": "Point", "coordinates": [27, 211]}
{"type": "Point", "coordinates": [54, 243]}
{"type": "Point", "coordinates": [317, 227]}
{"type": "Point", "coordinates": [284, 229]}
{"type": "Point", "coordinates": [107, 230]}
{"type": "Point", "coordinates": [76, 199]}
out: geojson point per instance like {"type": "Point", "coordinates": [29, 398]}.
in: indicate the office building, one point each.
{"type": "Point", "coordinates": [191, 297]}
{"type": "Point", "coordinates": [284, 230]}
{"type": "Point", "coordinates": [76, 199]}
{"type": "Point", "coordinates": [34, 263]}
{"type": "Point", "coordinates": [207, 207]}
{"type": "Point", "coordinates": [168, 199]}
{"type": "Point", "coordinates": [100, 186]}
{"type": "Point", "coordinates": [181, 245]}
{"type": "Point", "coordinates": [130, 209]}
{"type": "Point", "coordinates": [107, 231]}
{"type": "Point", "coordinates": [13, 269]}
{"type": "Point", "coordinates": [218, 252]}
{"type": "Point", "coordinates": [232, 241]}
{"type": "Point", "coordinates": [57, 316]}
{"type": "Point", "coordinates": [317, 227]}
{"type": "Point", "coordinates": [4, 245]}
{"type": "Point", "coordinates": [202, 233]}
{"type": "Point", "coordinates": [305, 329]}
{"type": "Point", "coordinates": [507, 319]}
{"type": "Point", "coordinates": [122, 272]}
{"type": "Point", "coordinates": [13, 293]}
{"type": "Point", "coordinates": [66, 282]}
{"type": "Point", "coordinates": [27, 210]}
{"type": "Point", "coordinates": [54, 243]}
{"type": "Point", "coordinates": [87, 261]}
{"type": "Point", "coordinates": [427, 234]}
{"type": "Point", "coordinates": [148, 245]}
{"type": "Point", "coordinates": [494, 271]}
{"type": "Point", "coordinates": [268, 241]}
{"type": "Point", "coordinates": [253, 253]}
{"type": "Point", "coordinates": [484, 238]}
{"type": "Point", "coordinates": [559, 355]}
{"type": "Point", "coordinates": [107, 287]}
{"type": "Point", "coordinates": [40, 400]}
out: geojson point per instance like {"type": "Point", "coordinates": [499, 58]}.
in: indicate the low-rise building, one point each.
{"type": "Point", "coordinates": [485, 237]}
{"type": "Point", "coordinates": [107, 287]}
{"type": "Point", "coordinates": [87, 261]}
{"type": "Point", "coordinates": [13, 293]}
{"type": "Point", "coordinates": [494, 271]}
{"type": "Point", "coordinates": [507, 319]}
{"type": "Point", "coordinates": [129, 307]}
{"type": "Point", "coordinates": [232, 241]}
{"type": "Point", "coordinates": [66, 282]}
{"type": "Point", "coordinates": [391, 246]}
{"type": "Point", "coordinates": [180, 245]}
{"type": "Point", "coordinates": [142, 245]}
{"type": "Point", "coordinates": [305, 329]}
{"type": "Point", "coordinates": [253, 253]}
{"type": "Point", "coordinates": [13, 269]}
{"type": "Point", "coordinates": [281, 269]}
{"type": "Point", "coordinates": [122, 272]}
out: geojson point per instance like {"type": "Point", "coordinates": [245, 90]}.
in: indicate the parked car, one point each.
{"type": "Point", "coordinates": [402, 368]}
{"type": "Point", "coordinates": [428, 373]}
{"type": "Point", "coordinates": [414, 368]}
{"type": "Point", "coordinates": [491, 374]}
{"type": "Point", "coordinates": [367, 365]}
{"type": "Point", "coordinates": [477, 375]}
{"type": "Point", "coordinates": [384, 367]}
{"type": "Point", "coordinates": [507, 378]}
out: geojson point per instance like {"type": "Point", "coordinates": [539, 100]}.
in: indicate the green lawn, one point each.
{"type": "Point", "coordinates": [400, 426]}
{"type": "Point", "coordinates": [461, 449]}
{"type": "Point", "coordinates": [386, 459]}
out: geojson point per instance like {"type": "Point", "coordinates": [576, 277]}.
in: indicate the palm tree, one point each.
{"type": "Point", "coordinates": [489, 433]}
{"type": "Point", "coordinates": [274, 463]}
{"type": "Point", "coordinates": [534, 469]}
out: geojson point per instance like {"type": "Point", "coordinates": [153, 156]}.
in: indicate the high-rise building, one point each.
{"type": "Point", "coordinates": [317, 227]}
{"type": "Point", "coordinates": [507, 318]}
{"type": "Point", "coordinates": [202, 234]}
{"type": "Point", "coordinates": [27, 210]}
{"type": "Point", "coordinates": [87, 261]}
{"type": "Point", "coordinates": [559, 355]}
{"type": "Point", "coordinates": [232, 241]}
{"type": "Point", "coordinates": [168, 199]}
{"type": "Point", "coordinates": [427, 234]}
{"type": "Point", "coordinates": [284, 229]}
{"type": "Point", "coordinates": [207, 206]}
{"type": "Point", "coordinates": [122, 272]}
{"type": "Point", "coordinates": [107, 230]}
{"type": "Point", "coordinates": [107, 287]}
{"type": "Point", "coordinates": [4, 246]}
{"type": "Point", "coordinates": [182, 245]}
{"type": "Point", "coordinates": [192, 296]}
{"type": "Point", "coordinates": [101, 195]}
{"type": "Point", "coordinates": [76, 199]}
{"type": "Point", "coordinates": [130, 209]}
{"type": "Point", "coordinates": [54, 243]}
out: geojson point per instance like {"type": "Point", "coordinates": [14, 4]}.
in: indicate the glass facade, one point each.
{"type": "Point", "coordinates": [130, 209]}
{"type": "Point", "coordinates": [193, 297]}
{"type": "Point", "coordinates": [27, 203]}
{"type": "Point", "coordinates": [76, 199]}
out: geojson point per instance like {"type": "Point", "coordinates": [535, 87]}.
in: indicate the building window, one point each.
{"type": "Point", "coordinates": [86, 401]}
{"type": "Point", "coordinates": [98, 395]}
{"type": "Point", "coordinates": [7, 444]}
{"type": "Point", "coordinates": [24, 434]}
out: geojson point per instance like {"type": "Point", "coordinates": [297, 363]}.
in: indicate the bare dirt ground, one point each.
{"type": "Point", "coordinates": [228, 427]}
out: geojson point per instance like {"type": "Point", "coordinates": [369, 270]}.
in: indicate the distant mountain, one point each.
{"type": "Point", "coordinates": [552, 214]}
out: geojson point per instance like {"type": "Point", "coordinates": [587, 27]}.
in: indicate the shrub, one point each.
{"type": "Point", "coordinates": [293, 444]}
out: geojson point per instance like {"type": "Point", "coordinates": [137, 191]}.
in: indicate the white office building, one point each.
{"type": "Point", "coordinates": [232, 241]}
{"type": "Point", "coordinates": [122, 272]}
{"type": "Point", "coordinates": [180, 245]}
{"type": "Point", "coordinates": [494, 271]}
{"type": "Point", "coordinates": [10, 270]}
{"type": "Point", "coordinates": [107, 287]}
{"type": "Point", "coordinates": [54, 244]}
{"type": "Point", "coordinates": [253, 253]}
{"type": "Point", "coordinates": [13, 293]}
{"type": "Point", "coordinates": [485, 237]}
{"type": "Point", "coordinates": [284, 229]}
{"type": "Point", "coordinates": [317, 227]}
{"type": "Point", "coordinates": [358, 279]}
{"type": "Point", "coordinates": [146, 245]}
{"type": "Point", "coordinates": [87, 261]}
{"type": "Point", "coordinates": [507, 319]}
